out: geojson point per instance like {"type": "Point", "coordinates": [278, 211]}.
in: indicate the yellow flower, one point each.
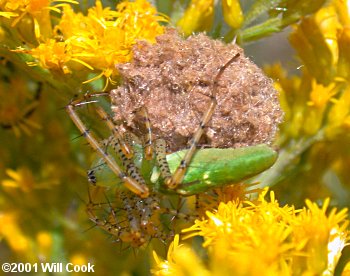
{"type": "Point", "coordinates": [13, 235]}
{"type": "Point", "coordinates": [325, 236]}
{"type": "Point", "coordinates": [36, 9]}
{"type": "Point", "coordinates": [322, 42]}
{"type": "Point", "coordinates": [320, 97]}
{"type": "Point", "coordinates": [286, 87]}
{"type": "Point", "coordinates": [198, 17]}
{"type": "Point", "coordinates": [79, 259]}
{"type": "Point", "coordinates": [339, 116]}
{"type": "Point", "coordinates": [44, 240]}
{"type": "Point", "coordinates": [311, 107]}
{"type": "Point", "coordinates": [20, 243]}
{"type": "Point", "coordinates": [239, 231]}
{"type": "Point", "coordinates": [99, 40]}
{"type": "Point", "coordinates": [22, 178]}
{"type": "Point", "coordinates": [239, 191]}
{"type": "Point", "coordinates": [181, 260]}
{"type": "Point", "coordinates": [15, 110]}
{"type": "Point", "coordinates": [19, 8]}
{"type": "Point", "coordinates": [53, 55]}
{"type": "Point", "coordinates": [233, 14]}
{"type": "Point", "coordinates": [280, 240]}
{"type": "Point", "coordinates": [294, 94]}
{"type": "Point", "coordinates": [315, 40]}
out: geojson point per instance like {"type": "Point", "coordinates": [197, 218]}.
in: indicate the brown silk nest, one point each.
{"type": "Point", "coordinates": [173, 79]}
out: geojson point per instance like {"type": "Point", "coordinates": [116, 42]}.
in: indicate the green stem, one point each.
{"type": "Point", "coordinates": [266, 28]}
{"type": "Point", "coordinates": [259, 8]}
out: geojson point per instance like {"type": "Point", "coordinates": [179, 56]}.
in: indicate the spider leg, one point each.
{"type": "Point", "coordinates": [134, 236]}
{"type": "Point", "coordinates": [132, 184]}
{"type": "Point", "coordinates": [147, 208]}
{"type": "Point", "coordinates": [125, 147]}
{"type": "Point", "coordinates": [91, 173]}
{"type": "Point", "coordinates": [112, 228]}
{"type": "Point", "coordinates": [147, 139]}
{"type": "Point", "coordinates": [160, 152]}
{"type": "Point", "coordinates": [131, 169]}
{"type": "Point", "coordinates": [160, 149]}
{"type": "Point", "coordinates": [179, 174]}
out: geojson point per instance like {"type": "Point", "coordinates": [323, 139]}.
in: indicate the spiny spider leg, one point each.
{"type": "Point", "coordinates": [112, 228]}
{"type": "Point", "coordinates": [91, 174]}
{"type": "Point", "coordinates": [132, 184]}
{"type": "Point", "coordinates": [131, 169]}
{"type": "Point", "coordinates": [134, 236]}
{"type": "Point", "coordinates": [179, 174]}
{"type": "Point", "coordinates": [147, 139]}
{"type": "Point", "coordinates": [125, 147]}
{"type": "Point", "coordinates": [128, 206]}
{"type": "Point", "coordinates": [147, 208]}
{"type": "Point", "coordinates": [160, 149]}
{"type": "Point", "coordinates": [177, 214]}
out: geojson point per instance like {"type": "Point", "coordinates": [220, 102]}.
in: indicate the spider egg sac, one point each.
{"type": "Point", "coordinates": [173, 78]}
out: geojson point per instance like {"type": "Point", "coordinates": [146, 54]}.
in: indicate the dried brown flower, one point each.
{"type": "Point", "coordinates": [173, 79]}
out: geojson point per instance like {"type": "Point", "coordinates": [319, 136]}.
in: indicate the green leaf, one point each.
{"type": "Point", "coordinates": [264, 29]}
{"type": "Point", "coordinates": [260, 7]}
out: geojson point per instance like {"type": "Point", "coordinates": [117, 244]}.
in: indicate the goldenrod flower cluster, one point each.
{"type": "Point", "coordinates": [321, 41]}
{"type": "Point", "coordinates": [99, 40]}
{"type": "Point", "coordinates": [91, 44]}
{"type": "Point", "coordinates": [316, 102]}
{"type": "Point", "coordinates": [261, 238]}
{"type": "Point", "coordinates": [33, 13]}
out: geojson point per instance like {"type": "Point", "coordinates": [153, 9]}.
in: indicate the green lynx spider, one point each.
{"type": "Point", "coordinates": [144, 168]}
{"type": "Point", "coordinates": [210, 168]}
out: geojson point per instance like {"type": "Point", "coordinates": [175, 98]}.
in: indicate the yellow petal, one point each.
{"type": "Point", "coordinates": [233, 14]}
{"type": "Point", "coordinates": [13, 174]}
{"type": "Point", "coordinates": [198, 17]}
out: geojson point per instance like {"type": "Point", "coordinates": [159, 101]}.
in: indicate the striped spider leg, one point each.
{"type": "Point", "coordinates": [131, 183]}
